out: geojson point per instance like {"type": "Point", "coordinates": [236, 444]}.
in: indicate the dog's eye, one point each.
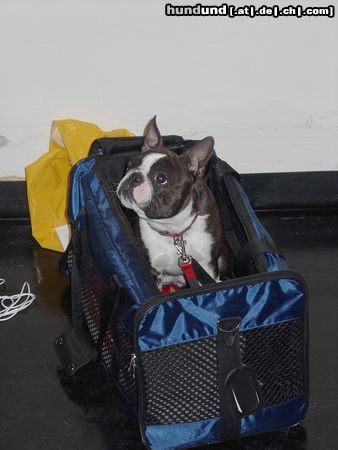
{"type": "Point", "coordinates": [130, 165]}
{"type": "Point", "coordinates": [161, 178]}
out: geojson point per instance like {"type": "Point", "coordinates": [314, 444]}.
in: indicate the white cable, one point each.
{"type": "Point", "coordinates": [10, 305]}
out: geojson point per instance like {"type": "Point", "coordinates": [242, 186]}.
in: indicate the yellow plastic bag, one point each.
{"type": "Point", "coordinates": [47, 178]}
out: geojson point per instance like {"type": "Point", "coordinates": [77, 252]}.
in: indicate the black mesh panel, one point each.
{"type": "Point", "coordinates": [181, 381]}
{"type": "Point", "coordinates": [92, 286]}
{"type": "Point", "coordinates": [117, 345]}
{"type": "Point", "coordinates": [88, 288]}
{"type": "Point", "coordinates": [277, 354]}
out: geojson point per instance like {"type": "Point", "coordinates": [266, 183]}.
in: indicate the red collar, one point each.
{"type": "Point", "coordinates": [174, 235]}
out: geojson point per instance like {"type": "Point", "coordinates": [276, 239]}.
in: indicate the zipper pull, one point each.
{"type": "Point", "coordinates": [132, 365]}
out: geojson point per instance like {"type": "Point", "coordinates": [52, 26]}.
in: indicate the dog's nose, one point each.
{"type": "Point", "coordinates": [135, 179]}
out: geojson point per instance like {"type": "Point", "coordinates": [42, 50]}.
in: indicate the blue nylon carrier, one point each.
{"type": "Point", "coordinates": [202, 365]}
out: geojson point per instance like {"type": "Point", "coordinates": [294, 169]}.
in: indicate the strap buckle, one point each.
{"type": "Point", "coordinates": [179, 243]}
{"type": "Point", "coordinates": [185, 261]}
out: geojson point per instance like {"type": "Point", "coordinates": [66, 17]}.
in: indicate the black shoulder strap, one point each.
{"type": "Point", "coordinates": [252, 249]}
{"type": "Point", "coordinates": [202, 275]}
{"type": "Point", "coordinates": [220, 170]}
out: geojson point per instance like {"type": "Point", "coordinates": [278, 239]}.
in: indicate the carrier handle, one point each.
{"type": "Point", "coordinates": [222, 168]}
{"type": "Point", "coordinates": [115, 145]}
{"type": "Point", "coordinates": [253, 247]}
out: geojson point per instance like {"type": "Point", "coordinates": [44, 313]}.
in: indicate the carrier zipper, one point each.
{"type": "Point", "coordinates": [157, 300]}
{"type": "Point", "coordinates": [132, 366]}
{"type": "Point", "coordinates": [100, 154]}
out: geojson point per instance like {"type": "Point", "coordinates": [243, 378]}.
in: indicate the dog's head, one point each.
{"type": "Point", "coordinates": [158, 183]}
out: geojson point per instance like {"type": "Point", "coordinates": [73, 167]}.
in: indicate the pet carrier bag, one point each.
{"type": "Point", "coordinates": [201, 365]}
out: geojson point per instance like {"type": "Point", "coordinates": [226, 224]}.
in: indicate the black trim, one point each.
{"type": "Point", "coordinates": [229, 360]}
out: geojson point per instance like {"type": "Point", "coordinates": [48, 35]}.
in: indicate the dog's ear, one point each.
{"type": "Point", "coordinates": [198, 155]}
{"type": "Point", "coordinates": [152, 136]}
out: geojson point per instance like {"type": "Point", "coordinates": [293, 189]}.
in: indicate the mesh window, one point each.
{"type": "Point", "coordinates": [89, 289]}
{"type": "Point", "coordinates": [181, 381]}
{"type": "Point", "coordinates": [117, 345]}
{"type": "Point", "coordinates": [92, 288]}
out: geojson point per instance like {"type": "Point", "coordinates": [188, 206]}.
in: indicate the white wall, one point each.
{"type": "Point", "coordinates": [265, 88]}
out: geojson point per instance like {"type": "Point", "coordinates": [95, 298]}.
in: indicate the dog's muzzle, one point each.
{"type": "Point", "coordinates": [130, 182]}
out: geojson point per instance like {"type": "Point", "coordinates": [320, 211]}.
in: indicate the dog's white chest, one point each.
{"type": "Point", "coordinates": [163, 253]}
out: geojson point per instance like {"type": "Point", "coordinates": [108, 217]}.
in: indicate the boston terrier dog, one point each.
{"type": "Point", "coordinates": [174, 206]}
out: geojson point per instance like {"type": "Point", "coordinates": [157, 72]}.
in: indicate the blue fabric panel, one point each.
{"type": "Point", "coordinates": [76, 197]}
{"type": "Point", "coordinates": [175, 436]}
{"type": "Point", "coordinates": [275, 417]}
{"type": "Point", "coordinates": [188, 318]}
{"type": "Point", "coordinates": [275, 262]}
{"type": "Point", "coordinates": [260, 230]}
{"type": "Point", "coordinates": [110, 245]}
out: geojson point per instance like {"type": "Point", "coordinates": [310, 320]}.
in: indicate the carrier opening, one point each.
{"type": "Point", "coordinates": [248, 244]}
